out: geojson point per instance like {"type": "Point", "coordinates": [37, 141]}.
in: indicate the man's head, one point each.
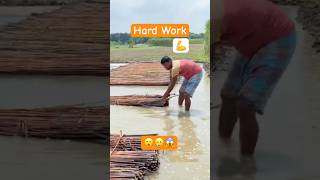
{"type": "Point", "coordinates": [166, 62]}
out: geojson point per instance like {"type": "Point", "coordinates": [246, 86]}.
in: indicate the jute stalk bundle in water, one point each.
{"type": "Point", "coordinates": [65, 122]}
{"type": "Point", "coordinates": [136, 100]}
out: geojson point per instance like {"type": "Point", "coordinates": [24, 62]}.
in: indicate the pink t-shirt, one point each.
{"type": "Point", "coordinates": [248, 25]}
{"type": "Point", "coordinates": [185, 68]}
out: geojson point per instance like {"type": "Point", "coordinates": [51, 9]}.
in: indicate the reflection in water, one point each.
{"type": "Point", "coordinates": [168, 125]}
{"type": "Point", "coordinates": [188, 142]}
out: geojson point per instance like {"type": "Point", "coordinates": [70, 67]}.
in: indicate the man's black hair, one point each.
{"type": "Point", "coordinates": [165, 59]}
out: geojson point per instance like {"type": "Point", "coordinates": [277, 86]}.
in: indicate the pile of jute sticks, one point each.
{"type": "Point", "coordinates": [141, 74]}
{"type": "Point", "coordinates": [67, 41]}
{"type": "Point", "coordinates": [128, 161]}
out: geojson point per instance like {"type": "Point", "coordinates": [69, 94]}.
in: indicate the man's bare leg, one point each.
{"type": "Point", "coordinates": [249, 129]}
{"type": "Point", "coordinates": [181, 98]}
{"type": "Point", "coordinates": [187, 102]}
{"type": "Point", "coordinates": [228, 117]}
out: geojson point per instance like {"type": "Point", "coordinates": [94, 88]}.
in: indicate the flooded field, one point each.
{"type": "Point", "coordinates": [45, 91]}
{"type": "Point", "coordinates": [191, 160]}
{"type": "Point", "coordinates": [288, 147]}
{"type": "Point", "coordinates": [36, 159]}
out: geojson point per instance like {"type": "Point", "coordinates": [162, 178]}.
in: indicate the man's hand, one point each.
{"type": "Point", "coordinates": [170, 87]}
{"type": "Point", "coordinates": [164, 98]}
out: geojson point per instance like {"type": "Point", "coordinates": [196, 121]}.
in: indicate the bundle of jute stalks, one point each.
{"type": "Point", "coordinates": [71, 40]}
{"type": "Point", "coordinates": [142, 74]}
{"type": "Point", "coordinates": [138, 100]}
{"type": "Point", "coordinates": [125, 173]}
{"type": "Point", "coordinates": [128, 161]}
{"type": "Point", "coordinates": [66, 122]}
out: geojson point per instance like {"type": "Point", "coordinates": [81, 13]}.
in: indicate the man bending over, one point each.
{"type": "Point", "coordinates": [192, 74]}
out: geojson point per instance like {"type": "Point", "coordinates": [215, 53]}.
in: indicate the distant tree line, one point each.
{"type": "Point", "coordinates": [124, 38]}
{"type": "Point", "coordinates": [196, 36]}
{"type": "Point", "coordinates": [207, 39]}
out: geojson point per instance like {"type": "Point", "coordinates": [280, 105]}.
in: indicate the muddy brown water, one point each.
{"type": "Point", "coordinates": [192, 159]}
{"type": "Point", "coordinates": [47, 91]}
{"type": "Point", "coordinates": [288, 147]}
{"type": "Point", "coordinates": [38, 159]}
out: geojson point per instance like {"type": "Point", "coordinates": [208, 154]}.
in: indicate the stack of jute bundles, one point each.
{"type": "Point", "coordinates": [72, 40]}
{"type": "Point", "coordinates": [128, 161]}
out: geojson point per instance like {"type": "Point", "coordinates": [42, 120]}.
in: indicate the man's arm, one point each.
{"type": "Point", "coordinates": [170, 87]}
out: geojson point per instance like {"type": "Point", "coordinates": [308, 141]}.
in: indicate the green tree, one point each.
{"type": "Point", "coordinates": [207, 40]}
{"type": "Point", "coordinates": [122, 38]}
{"type": "Point", "coordinates": [160, 42]}
{"type": "Point", "coordinates": [131, 43]}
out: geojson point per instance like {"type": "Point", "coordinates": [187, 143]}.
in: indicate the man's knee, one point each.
{"type": "Point", "coordinates": [244, 105]}
{"type": "Point", "coordinates": [227, 100]}
{"type": "Point", "coordinates": [181, 94]}
{"type": "Point", "coordinates": [245, 110]}
{"type": "Point", "coordinates": [228, 94]}
{"type": "Point", "coordinates": [187, 97]}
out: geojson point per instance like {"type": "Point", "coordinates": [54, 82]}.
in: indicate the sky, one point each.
{"type": "Point", "coordinates": [127, 12]}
